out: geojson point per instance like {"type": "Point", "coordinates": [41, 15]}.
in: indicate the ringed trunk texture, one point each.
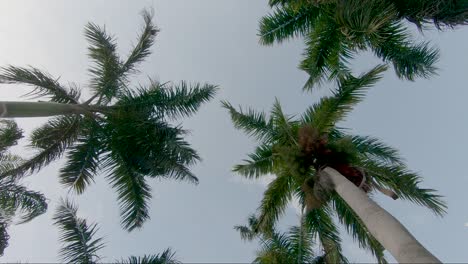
{"type": "Point", "coordinates": [381, 224]}
{"type": "Point", "coordinates": [38, 109]}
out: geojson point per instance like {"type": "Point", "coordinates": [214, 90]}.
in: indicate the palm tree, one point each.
{"type": "Point", "coordinates": [295, 246]}
{"type": "Point", "coordinates": [335, 31]}
{"type": "Point", "coordinates": [297, 150]}
{"type": "Point", "coordinates": [80, 246]}
{"type": "Point", "coordinates": [126, 133]}
{"type": "Point", "coordinates": [17, 204]}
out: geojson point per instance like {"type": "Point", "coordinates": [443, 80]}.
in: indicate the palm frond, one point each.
{"type": "Point", "coordinates": [63, 129]}
{"type": "Point", "coordinates": [276, 249]}
{"type": "Point", "coordinates": [133, 193]}
{"type": "Point", "coordinates": [260, 163]}
{"type": "Point", "coordinates": [405, 184]}
{"type": "Point", "coordinates": [357, 229]}
{"type": "Point", "coordinates": [145, 40]}
{"type": "Point", "coordinates": [149, 145]}
{"type": "Point", "coordinates": [320, 224]}
{"type": "Point", "coordinates": [301, 244]}
{"type": "Point", "coordinates": [351, 90]}
{"type": "Point", "coordinates": [53, 138]}
{"type": "Point", "coordinates": [409, 61]}
{"type": "Point", "coordinates": [250, 231]}
{"type": "Point", "coordinates": [287, 22]}
{"type": "Point", "coordinates": [175, 101]}
{"type": "Point", "coordinates": [275, 201]}
{"type": "Point", "coordinates": [10, 133]}
{"type": "Point", "coordinates": [325, 53]}
{"type": "Point", "coordinates": [284, 126]}
{"type": "Point", "coordinates": [372, 148]}
{"type": "Point", "coordinates": [82, 162]}
{"type": "Point", "coordinates": [252, 122]}
{"type": "Point", "coordinates": [26, 204]}
{"type": "Point", "coordinates": [43, 83]}
{"type": "Point", "coordinates": [167, 257]}
{"type": "Point", "coordinates": [107, 66]}
{"type": "Point", "coordinates": [76, 235]}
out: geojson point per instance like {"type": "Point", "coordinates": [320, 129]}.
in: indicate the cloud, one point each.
{"type": "Point", "coordinates": [466, 224]}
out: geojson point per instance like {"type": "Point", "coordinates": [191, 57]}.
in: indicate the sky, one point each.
{"type": "Point", "coordinates": [216, 42]}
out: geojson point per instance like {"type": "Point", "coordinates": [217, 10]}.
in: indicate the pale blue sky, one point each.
{"type": "Point", "coordinates": [215, 41]}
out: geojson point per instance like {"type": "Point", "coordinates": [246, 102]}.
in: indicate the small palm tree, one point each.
{"type": "Point", "coordinates": [123, 132]}
{"type": "Point", "coordinates": [17, 204]}
{"type": "Point", "coordinates": [335, 31]}
{"type": "Point", "coordinates": [297, 151]}
{"type": "Point", "coordinates": [295, 246]}
{"type": "Point", "coordinates": [80, 246]}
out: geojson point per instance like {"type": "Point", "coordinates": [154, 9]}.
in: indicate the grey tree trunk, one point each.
{"type": "Point", "coordinates": [382, 225]}
{"type": "Point", "coordinates": [38, 109]}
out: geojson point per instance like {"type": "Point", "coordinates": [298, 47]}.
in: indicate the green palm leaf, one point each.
{"type": "Point", "coordinates": [145, 40]}
{"type": "Point", "coordinates": [351, 90]}
{"type": "Point", "coordinates": [82, 163]}
{"type": "Point", "coordinates": [174, 101]}
{"type": "Point", "coordinates": [275, 201]}
{"type": "Point", "coordinates": [107, 66]}
{"type": "Point", "coordinates": [43, 83]}
{"type": "Point", "coordinates": [285, 128]}
{"type": "Point", "coordinates": [405, 184]}
{"type": "Point", "coordinates": [409, 60]}
{"type": "Point", "coordinates": [133, 194]}
{"type": "Point", "coordinates": [250, 231]}
{"type": "Point", "coordinates": [321, 225]}
{"type": "Point", "coordinates": [252, 122]}
{"type": "Point", "coordinates": [167, 257]}
{"type": "Point", "coordinates": [78, 244]}
{"type": "Point", "coordinates": [10, 133]}
{"type": "Point", "coordinates": [325, 53]}
{"type": "Point", "coordinates": [52, 138]}
{"type": "Point", "coordinates": [287, 22]}
{"type": "Point", "coordinates": [260, 163]}
{"type": "Point", "coordinates": [26, 204]}
{"type": "Point", "coordinates": [370, 147]}
{"type": "Point", "coordinates": [275, 250]}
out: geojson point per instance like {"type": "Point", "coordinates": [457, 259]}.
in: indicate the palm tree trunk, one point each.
{"type": "Point", "coordinates": [38, 109]}
{"type": "Point", "coordinates": [381, 224]}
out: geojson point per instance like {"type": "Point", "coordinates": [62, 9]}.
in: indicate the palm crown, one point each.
{"type": "Point", "coordinates": [79, 244]}
{"type": "Point", "coordinates": [295, 150]}
{"type": "Point", "coordinates": [16, 201]}
{"type": "Point", "coordinates": [335, 31]}
{"type": "Point", "coordinates": [123, 132]}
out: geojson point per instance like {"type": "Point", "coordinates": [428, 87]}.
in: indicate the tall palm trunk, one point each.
{"type": "Point", "coordinates": [382, 225]}
{"type": "Point", "coordinates": [39, 109]}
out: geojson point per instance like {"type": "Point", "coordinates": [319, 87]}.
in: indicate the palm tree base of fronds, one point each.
{"type": "Point", "coordinates": [316, 189]}
{"type": "Point", "coordinates": [354, 175]}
